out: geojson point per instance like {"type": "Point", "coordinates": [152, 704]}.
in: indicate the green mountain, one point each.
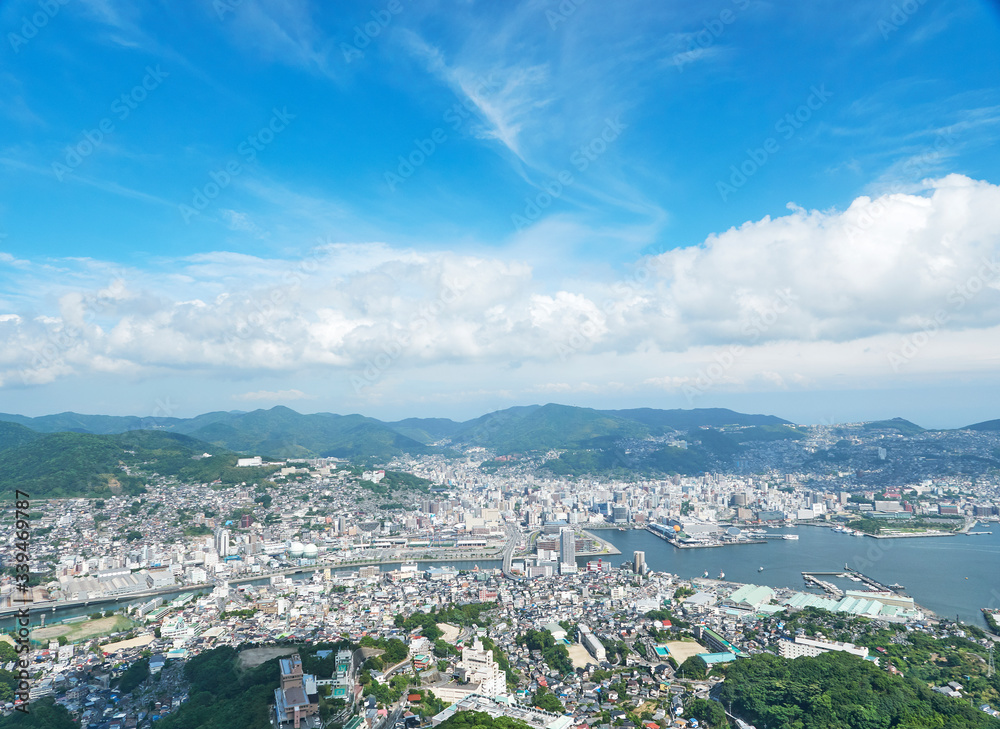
{"type": "Point", "coordinates": [426, 430]}
{"type": "Point", "coordinates": [720, 445]}
{"type": "Point", "coordinates": [985, 425]}
{"type": "Point", "coordinates": [77, 423]}
{"type": "Point", "coordinates": [545, 428]}
{"type": "Point", "coordinates": [899, 424]}
{"type": "Point", "coordinates": [54, 465]}
{"type": "Point", "coordinates": [283, 433]}
{"type": "Point", "coordinates": [13, 435]}
{"type": "Point", "coordinates": [695, 418]}
{"type": "Point", "coordinates": [614, 462]}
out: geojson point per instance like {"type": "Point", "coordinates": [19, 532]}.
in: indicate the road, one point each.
{"type": "Point", "coordinates": [513, 535]}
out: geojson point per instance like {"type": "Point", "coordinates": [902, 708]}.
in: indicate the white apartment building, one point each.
{"type": "Point", "coordinates": [803, 646]}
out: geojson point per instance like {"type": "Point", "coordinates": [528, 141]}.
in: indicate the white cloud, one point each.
{"type": "Point", "coordinates": [807, 297]}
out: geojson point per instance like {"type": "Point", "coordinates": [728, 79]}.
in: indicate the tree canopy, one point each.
{"type": "Point", "coordinates": [839, 691]}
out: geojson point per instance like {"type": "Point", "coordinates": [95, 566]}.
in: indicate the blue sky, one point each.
{"type": "Point", "coordinates": [441, 208]}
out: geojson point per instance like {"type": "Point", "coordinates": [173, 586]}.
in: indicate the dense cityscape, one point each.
{"type": "Point", "coordinates": [476, 581]}
{"type": "Point", "coordinates": [499, 364]}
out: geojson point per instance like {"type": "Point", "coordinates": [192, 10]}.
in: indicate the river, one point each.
{"type": "Point", "coordinates": [948, 575]}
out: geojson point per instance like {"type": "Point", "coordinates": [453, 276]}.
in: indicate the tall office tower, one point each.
{"type": "Point", "coordinates": [567, 551]}
{"type": "Point", "coordinates": [639, 562]}
{"type": "Point", "coordinates": [222, 542]}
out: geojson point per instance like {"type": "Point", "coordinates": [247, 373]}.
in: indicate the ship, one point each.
{"type": "Point", "coordinates": [896, 586]}
{"type": "Point", "coordinates": [706, 573]}
{"type": "Point", "coordinates": [791, 536]}
{"type": "Point", "coordinates": [760, 569]}
{"type": "Point", "coordinates": [722, 575]}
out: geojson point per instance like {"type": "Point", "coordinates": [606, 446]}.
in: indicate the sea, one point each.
{"type": "Point", "coordinates": [951, 576]}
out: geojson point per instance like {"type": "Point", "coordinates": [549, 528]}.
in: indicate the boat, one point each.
{"type": "Point", "coordinates": [896, 586]}
{"type": "Point", "coordinates": [791, 536]}
{"type": "Point", "coordinates": [722, 575]}
{"type": "Point", "coordinates": [760, 569]}
{"type": "Point", "coordinates": [706, 573]}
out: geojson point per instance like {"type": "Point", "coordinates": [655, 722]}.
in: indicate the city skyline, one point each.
{"type": "Point", "coordinates": [446, 210]}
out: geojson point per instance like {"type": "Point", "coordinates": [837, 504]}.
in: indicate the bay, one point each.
{"type": "Point", "coordinates": [951, 576]}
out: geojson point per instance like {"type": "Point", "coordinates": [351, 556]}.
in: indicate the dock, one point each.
{"type": "Point", "coordinates": [701, 545]}
{"type": "Point", "coordinates": [827, 587]}
{"type": "Point", "coordinates": [812, 578]}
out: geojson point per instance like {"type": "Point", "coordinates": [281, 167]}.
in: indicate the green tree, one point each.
{"type": "Point", "coordinates": [707, 712]}
{"type": "Point", "coordinates": [694, 667]}
{"type": "Point", "coordinates": [42, 714]}
{"type": "Point", "coordinates": [134, 675]}
{"type": "Point", "coordinates": [395, 650]}
{"type": "Point", "coordinates": [547, 701]}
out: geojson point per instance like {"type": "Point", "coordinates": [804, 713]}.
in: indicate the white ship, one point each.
{"type": "Point", "coordinates": [791, 536]}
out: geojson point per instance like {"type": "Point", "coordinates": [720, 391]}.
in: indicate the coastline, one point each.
{"type": "Point", "coordinates": [609, 548]}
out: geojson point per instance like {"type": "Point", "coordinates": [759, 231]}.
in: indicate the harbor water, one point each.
{"type": "Point", "coordinates": [950, 576]}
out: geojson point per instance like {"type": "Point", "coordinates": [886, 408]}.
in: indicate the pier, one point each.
{"type": "Point", "coordinates": [828, 587]}
{"type": "Point", "coordinates": [870, 582]}
{"type": "Point", "coordinates": [670, 539]}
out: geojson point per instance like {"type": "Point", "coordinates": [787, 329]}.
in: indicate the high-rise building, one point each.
{"type": "Point", "coordinates": [479, 666]}
{"type": "Point", "coordinates": [222, 542]}
{"type": "Point", "coordinates": [567, 547]}
{"type": "Point", "coordinates": [639, 562]}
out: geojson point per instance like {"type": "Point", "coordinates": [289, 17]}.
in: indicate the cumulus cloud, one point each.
{"type": "Point", "coordinates": [882, 269]}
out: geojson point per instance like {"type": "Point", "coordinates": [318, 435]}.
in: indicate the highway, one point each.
{"type": "Point", "coordinates": [513, 534]}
